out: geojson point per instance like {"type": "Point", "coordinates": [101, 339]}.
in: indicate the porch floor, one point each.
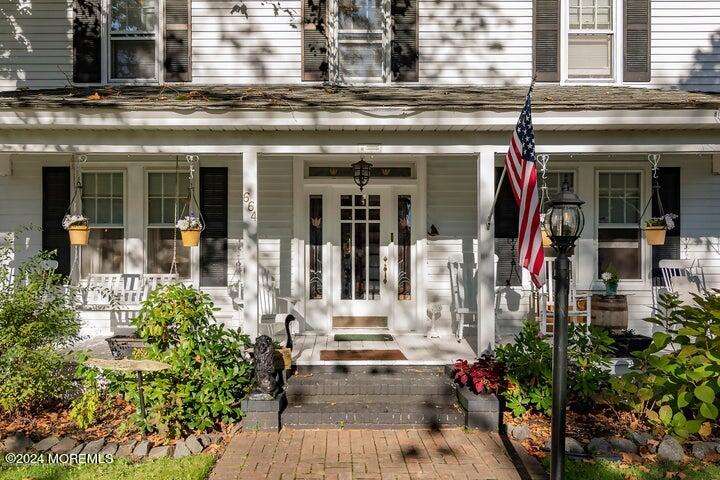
{"type": "Point", "coordinates": [417, 348]}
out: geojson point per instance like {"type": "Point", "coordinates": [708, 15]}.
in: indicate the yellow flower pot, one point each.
{"type": "Point", "coordinates": [190, 238]}
{"type": "Point", "coordinates": [655, 235]}
{"type": "Point", "coordinates": [79, 234]}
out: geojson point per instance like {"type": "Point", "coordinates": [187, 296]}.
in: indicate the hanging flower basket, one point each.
{"type": "Point", "coordinates": [190, 228]}
{"type": "Point", "coordinates": [77, 228]}
{"type": "Point", "coordinates": [656, 228]}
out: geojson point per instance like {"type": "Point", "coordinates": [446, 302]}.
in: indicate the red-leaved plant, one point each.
{"type": "Point", "coordinates": [483, 376]}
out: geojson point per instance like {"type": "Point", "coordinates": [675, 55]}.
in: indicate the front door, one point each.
{"type": "Point", "coordinates": [362, 277]}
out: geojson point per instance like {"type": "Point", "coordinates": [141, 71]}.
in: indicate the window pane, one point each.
{"type": "Point", "coordinates": [104, 253]}
{"type": "Point", "coordinates": [346, 262]}
{"type": "Point", "coordinates": [316, 233]}
{"type": "Point", "coordinates": [374, 261]}
{"type": "Point", "coordinates": [160, 252]}
{"type": "Point", "coordinates": [590, 55]}
{"type": "Point", "coordinates": [361, 60]}
{"type": "Point", "coordinates": [404, 249]}
{"type": "Point", "coordinates": [620, 248]}
{"type": "Point", "coordinates": [117, 211]}
{"type": "Point", "coordinates": [154, 210]}
{"type": "Point", "coordinates": [103, 215]}
{"type": "Point", "coordinates": [360, 260]}
{"type": "Point", "coordinates": [132, 16]}
{"type": "Point", "coordinates": [168, 215]}
{"type": "Point", "coordinates": [360, 14]}
{"type": "Point", "coordinates": [88, 181]}
{"type": "Point", "coordinates": [133, 59]}
{"type": "Point", "coordinates": [104, 184]}
{"type": "Point", "coordinates": [88, 207]}
{"type": "Point", "coordinates": [117, 185]}
{"type": "Point", "coordinates": [155, 184]}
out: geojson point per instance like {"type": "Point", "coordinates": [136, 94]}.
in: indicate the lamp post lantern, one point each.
{"type": "Point", "coordinates": [564, 222]}
{"type": "Point", "coordinates": [361, 173]}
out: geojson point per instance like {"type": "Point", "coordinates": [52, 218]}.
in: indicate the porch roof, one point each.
{"type": "Point", "coordinates": [418, 98]}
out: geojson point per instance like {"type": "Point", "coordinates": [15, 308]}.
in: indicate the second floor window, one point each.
{"type": "Point", "coordinates": [361, 28]}
{"type": "Point", "coordinates": [590, 39]}
{"type": "Point", "coordinates": [132, 32]}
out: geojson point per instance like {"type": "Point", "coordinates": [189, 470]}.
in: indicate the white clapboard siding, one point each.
{"type": "Point", "coordinates": [275, 218]}
{"type": "Point", "coordinates": [22, 204]}
{"type": "Point", "coordinates": [686, 44]}
{"type": "Point", "coordinates": [452, 208]}
{"type": "Point", "coordinates": [36, 46]}
{"type": "Point", "coordinates": [475, 42]}
{"type": "Point", "coordinates": [260, 48]}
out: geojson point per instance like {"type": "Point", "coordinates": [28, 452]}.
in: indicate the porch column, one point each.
{"type": "Point", "coordinates": [250, 242]}
{"type": "Point", "coordinates": [486, 252]}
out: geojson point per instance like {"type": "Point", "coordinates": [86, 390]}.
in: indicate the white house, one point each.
{"type": "Point", "coordinates": [271, 103]}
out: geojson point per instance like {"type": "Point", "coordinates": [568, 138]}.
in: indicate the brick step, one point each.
{"type": "Point", "coordinates": [372, 415]}
{"type": "Point", "coordinates": [369, 386]}
{"type": "Point", "coordinates": [401, 399]}
{"type": "Point", "coordinates": [350, 369]}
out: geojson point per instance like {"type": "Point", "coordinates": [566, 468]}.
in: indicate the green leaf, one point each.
{"type": "Point", "coordinates": [709, 411]}
{"type": "Point", "coordinates": [660, 339]}
{"type": "Point", "coordinates": [684, 399]}
{"type": "Point", "coordinates": [704, 393]}
{"type": "Point", "coordinates": [644, 394]}
{"type": "Point", "coordinates": [665, 414]}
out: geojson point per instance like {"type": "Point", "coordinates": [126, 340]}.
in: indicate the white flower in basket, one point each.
{"type": "Point", "coordinates": [74, 220]}
{"type": "Point", "coordinates": [189, 222]}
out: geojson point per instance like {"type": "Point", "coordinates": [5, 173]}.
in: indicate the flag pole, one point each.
{"type": "Point", "coordinates": [489, 220]}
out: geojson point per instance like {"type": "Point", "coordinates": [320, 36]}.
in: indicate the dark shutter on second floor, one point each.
{"type": "Point", "coordinates": [178, 16]}
{"type": "Point", "coordinates": [636, 54]}
{"type": "Point", "coordinates": [55, 200]}
{"type": "Point", "coordinates": [404, 44]}
{"type": "Point", "coordinates": [314, 40]}
{"type": "Point", "coordinates": [86, 41]}
{"type": "Point", "coordinates": [546, 40]}
{"type": "Point", "coordinates": [213, 241]}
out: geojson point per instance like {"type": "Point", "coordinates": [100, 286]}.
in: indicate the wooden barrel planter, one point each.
{"type": "Point", "coordinates": [610, 312]}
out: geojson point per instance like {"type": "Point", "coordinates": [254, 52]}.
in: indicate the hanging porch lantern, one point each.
{"type": "Point", "coordinates": [361, 173]}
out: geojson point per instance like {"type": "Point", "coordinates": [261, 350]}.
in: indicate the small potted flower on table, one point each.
{"type": "Point", "coordinates": [610, 279]}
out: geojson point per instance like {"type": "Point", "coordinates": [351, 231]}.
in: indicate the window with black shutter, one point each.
{"type": "Point", "coordinates": [546, 40]}
{"type": "Point", "coordinates": [314, 40]}
{"type": "Point", "coordinates": [55, 200]}
{"type": "Point", "coordinates": [637, 41]}
{"type": "Point", "coordinates": [506, 217]}
{"type": "Point", "coordinates": [177, 41]}
{"type": "Point", "coordinates": [213, 242]}
{"type": "Point", "coordinates": [404, 44]}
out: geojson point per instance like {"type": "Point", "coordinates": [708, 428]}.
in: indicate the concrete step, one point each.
{"type": "Point", "coordinates": [372, 415]}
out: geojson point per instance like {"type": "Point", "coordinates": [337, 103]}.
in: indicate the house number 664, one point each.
{"type": "Point", "coordinates": [250, 205]}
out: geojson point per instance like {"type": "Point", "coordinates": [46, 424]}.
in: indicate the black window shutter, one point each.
{"type": "Point", "coordinates": [55, 201]}
{"type": "Point", "coordinates": [86, 41]}
{"type": "Point", "coordinates": [213, 242]}
{"type": "Point", "coordinates": [669, 178]}
{"type": "Point", "coordinates": [314, 40]}
{"type": "Point", "coordinates": [636, 57]}
{"type": "Point", "coordinates": [546, 40]}
{"type": "Point", "coordinates": [178, 65]}
{"type": "Point", "coordinates": [404, 44]}
{"type": "Point", "coordinates": [507, 216]}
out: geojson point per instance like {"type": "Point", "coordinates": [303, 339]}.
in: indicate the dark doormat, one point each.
{"type": "Point", "coordinates": [361, 355]}
{"type": "Point", "coordinates": [363, 337]}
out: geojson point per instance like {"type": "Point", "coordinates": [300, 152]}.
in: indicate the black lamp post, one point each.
{"type": "Point", "coordinates": [361, 173]}
{"type": "Point", "coordinates": [564, 222]}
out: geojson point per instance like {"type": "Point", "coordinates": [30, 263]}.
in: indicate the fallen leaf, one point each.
{"type": "Point", "coordinates": [95, 96]}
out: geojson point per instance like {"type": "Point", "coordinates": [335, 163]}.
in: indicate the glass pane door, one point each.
{"type": "Point", "coordinates": [360, 247]}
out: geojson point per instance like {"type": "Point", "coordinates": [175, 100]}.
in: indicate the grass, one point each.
{"type": "Point", "coordinates": [604, 470]}
{"type": "Point", "coordinates": [195, 467]}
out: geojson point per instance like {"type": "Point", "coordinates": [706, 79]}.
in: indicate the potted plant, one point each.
{"type": "Point", "coordinates": [478, 386]}
{"type": "Point", "coordinates": [77, 227]}
{"type": "Point", "coordinates": [190, 228]}
{"type": "Point", "coordinates": [656, 227]}
{"type": "Point", "coordinates": [610, 279]}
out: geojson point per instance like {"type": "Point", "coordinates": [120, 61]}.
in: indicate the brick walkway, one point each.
{"type": "Point", "coordinates": [365, 454]}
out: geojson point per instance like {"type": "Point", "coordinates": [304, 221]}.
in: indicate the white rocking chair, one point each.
{"type": "Point", "coordinates": [683, 277]}
{"type": "Point", "coordinates": [463, 285]}
{"type": "Point", "coordinates": [272, 316]}
{"type": "Point", "coordinates": [547, 298]}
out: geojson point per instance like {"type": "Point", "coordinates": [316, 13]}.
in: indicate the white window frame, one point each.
{"type": "Point", "coordinates": [645, 252]}
{"type": "Point", "coordinates": [334, 53]}
{"type": "Point", "coordinates": [194, 277]}
{"type": "Point", "coordinates": [106, 45]}
{"type": "Point", "coordinates": [617, 46]}
{"type": "Point", "coordinates": [102, 226]}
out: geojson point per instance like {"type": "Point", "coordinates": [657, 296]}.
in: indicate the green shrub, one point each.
{"type": "Point", "coordinates": [678, 390]}
{"type": "Point", "coordinates": [208, 374]}
{"type": "Point", "coordinates": [37, 319]}
{"type": "Point", "coordinates": [528, 366]}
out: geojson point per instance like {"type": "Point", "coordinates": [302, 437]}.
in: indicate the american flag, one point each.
{"type": "Point", "coordinates": [522, 174]}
